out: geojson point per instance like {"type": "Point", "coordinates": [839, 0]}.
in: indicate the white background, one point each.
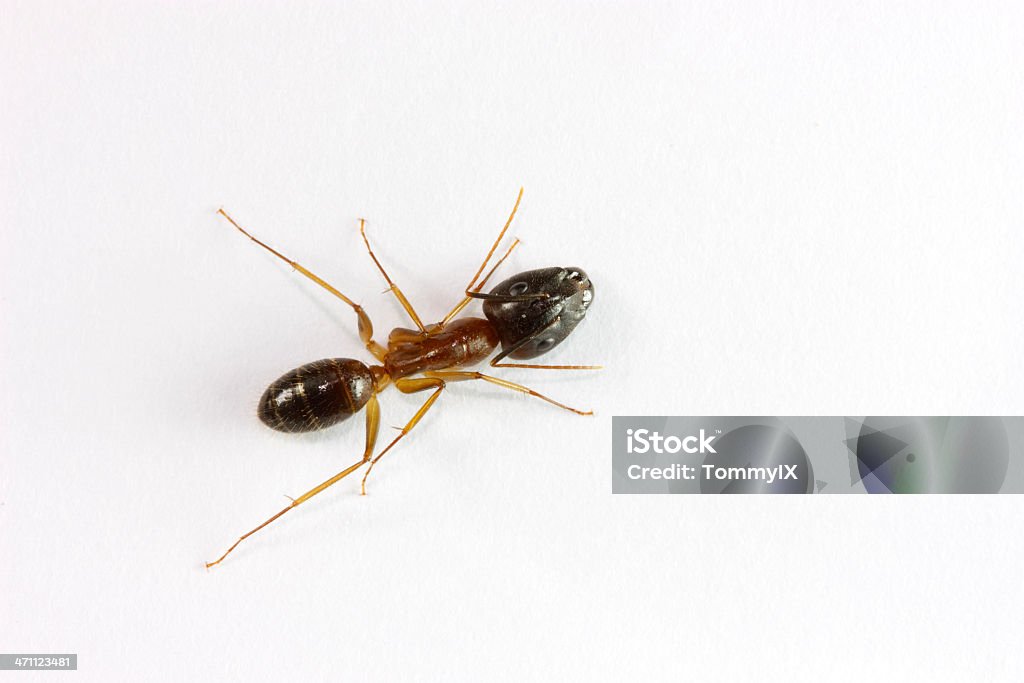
{"type": "Point", "coordinates": [786, 208]}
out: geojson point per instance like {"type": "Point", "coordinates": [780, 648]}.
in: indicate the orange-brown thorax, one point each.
{"type": "Point", "coordinates": [462, 342]}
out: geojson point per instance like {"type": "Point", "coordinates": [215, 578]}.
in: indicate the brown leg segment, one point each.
{"type": "Point", "coordinates": [365, 326]}
{"type": "Point", "coordinates": [372, 427]}
{"type": "Point", "coordinates": [496, 361]}
{"type": "Point", "coordinates": [471, 294]}
{"type": "Point", "coordinates": [392, 287]}
{"type": "Point", "coordinates": [465, 302]}
{"type": "Point", "coordinates": [410, 386]}
{"type": "Point", "coordinates": [545, 367]}
{"type": "Point", "coordinates": [455, 376]}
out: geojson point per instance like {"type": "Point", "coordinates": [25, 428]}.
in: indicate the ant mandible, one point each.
{"type": "Point", "coordinates": [528, 315]}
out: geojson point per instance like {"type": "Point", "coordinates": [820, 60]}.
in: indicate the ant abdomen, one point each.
{"type": "Point", "coordinates": [316, 395]}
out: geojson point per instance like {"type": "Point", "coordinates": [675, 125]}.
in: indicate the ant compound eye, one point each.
{"type": "Point", "coordinates": [546, 344]}
{"type": "Point", "coordinates": [575, 275]}
{"type": "Point", "coordinates": [518, 288]}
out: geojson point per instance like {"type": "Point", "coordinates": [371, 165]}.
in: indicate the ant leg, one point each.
{"type": "Point", "coordinates": [475, 293]}
{"type": "Point", "coordinates": [496, 364]}
{"type": "Point", "coordinates": [372, 427]}
{"type": "Point", "coordinates": [400, 335]}
{"type": "Point", "coordinates": [455, 376]}
{"type": "Point", "coordinates": [392, 287]}
{"type": "Point", "coordinates": [465, 302]}
{"type": "Point", "coordinates": [365, 326]}
{"type": "Point", "coordinates": [409, 386]}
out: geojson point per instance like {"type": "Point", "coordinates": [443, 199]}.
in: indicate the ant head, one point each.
{"type": "Point", "coordinates": [556, 300]}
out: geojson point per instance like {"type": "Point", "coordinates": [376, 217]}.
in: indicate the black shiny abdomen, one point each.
{"type": "Point", "coordinates": [316, 395]}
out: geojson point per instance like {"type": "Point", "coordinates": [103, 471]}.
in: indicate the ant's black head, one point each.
{"type": "Point", "coordinates": [534, 311]}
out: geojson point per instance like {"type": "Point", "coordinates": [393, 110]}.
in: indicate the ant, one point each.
{"type": "Point", "coordinates": [528, 315]}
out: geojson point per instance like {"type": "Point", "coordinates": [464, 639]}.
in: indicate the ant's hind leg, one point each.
{"type": "Point", "coordinates": [372, 427]}
{"type": "Point", "coordinates": [410, 386]}
{"type": "Point", "coordinates": [365, 326]}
